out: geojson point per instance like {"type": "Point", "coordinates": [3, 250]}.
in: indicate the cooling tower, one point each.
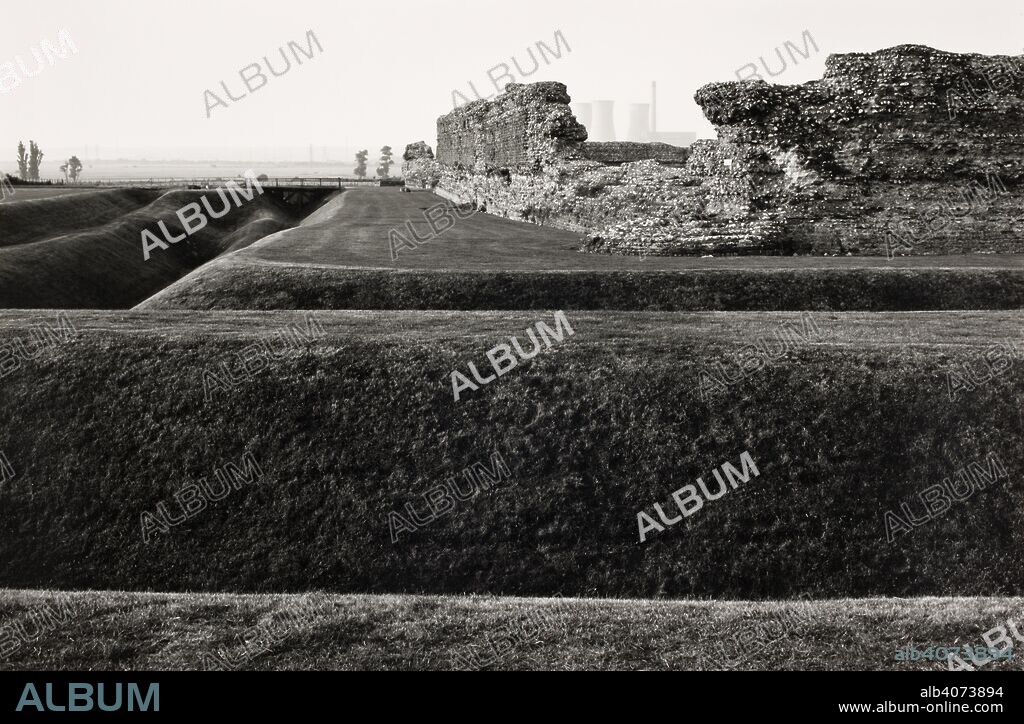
{"type": "Point", "coordinates": [639, 122]}
{"type": "Point", "coordinates": [584, 113]}
{"type": "Point", "coordinates": [604, 121]}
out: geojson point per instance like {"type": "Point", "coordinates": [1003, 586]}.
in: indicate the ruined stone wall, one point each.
{"type": "Point", "coordinates": [418, 158]}
{"type": "Point", "coordinates": [523, 156]}
{"type": "Point", "coordinates": [908, 150]}
{"type": "Point", "coordinates": [613, 153]}
{"type": "Point", "coordinates": [523, 129]}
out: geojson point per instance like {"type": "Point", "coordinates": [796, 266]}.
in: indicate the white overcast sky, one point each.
{"type": "Point", "coordinates": [389, 67]}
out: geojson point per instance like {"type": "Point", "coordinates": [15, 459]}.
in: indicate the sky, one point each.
{"type": "Point", "coordinates": [387, 70]}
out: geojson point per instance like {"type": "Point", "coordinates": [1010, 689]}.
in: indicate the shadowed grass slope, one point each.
{"type": "Point", "coordinates": [123, 631]}
{"type": "Point", "coordinates": [26, 221]}
{"type": "Point", "coordinates": [361, 421]}
{"type": "Point", "coordinates": [238, 283]}
{"type": "Point", "coordinates": [103, 267]}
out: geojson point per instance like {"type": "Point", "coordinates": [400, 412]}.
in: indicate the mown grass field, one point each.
{"type": "Point", "coordinates": [362, 420]}
{"type": "Point", "coordinates": [354, 230]}
{"type": "Point", "coordinates": [31, 193]}
{"type": "Point", "coordinates": [341, 258]}
{"type": "Point", "coordinates": [146, 631]}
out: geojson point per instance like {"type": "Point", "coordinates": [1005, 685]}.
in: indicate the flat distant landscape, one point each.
{"type": "Point", "coordinates": [99, 169]}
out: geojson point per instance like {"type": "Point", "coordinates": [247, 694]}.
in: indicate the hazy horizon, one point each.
{"type": "Point", "coordinates": [387, 72]}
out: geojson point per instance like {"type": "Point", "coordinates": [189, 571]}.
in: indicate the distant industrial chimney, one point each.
{"type": "Point", "coordinates": [639, 123]}
{"type": "Point", "coordinates": [672, 138]}
{"type": "Point", "coordinates": [604, 121]}
{"type": "Point", "coordinates": [654, 106]}
{"type": "Point", "coordinates": [584, 113]}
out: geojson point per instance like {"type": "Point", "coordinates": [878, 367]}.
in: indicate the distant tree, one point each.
{"type": "Point", "coordinates": [360, 169]}
{"type": "Point", "coordinates": [35, 157]}
{"type": "Point", "coordinates": [22, 162]}
{"type": "Point", "coordinates": [384, 169]}
{"type": "Point", "coordinates": [74, 168]}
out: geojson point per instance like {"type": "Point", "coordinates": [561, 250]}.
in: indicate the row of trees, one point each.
{"type": "Point", "coordinates": [28, 164]}
{"type": "Point", "coordinates": [383, 170]}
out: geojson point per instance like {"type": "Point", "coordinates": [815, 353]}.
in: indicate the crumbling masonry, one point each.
{"type": "Point", "coordinates": [908, 150]}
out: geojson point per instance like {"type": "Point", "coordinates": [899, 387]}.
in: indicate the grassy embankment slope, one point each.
{"type": "Point", "coordinates": [25, 220]}
{"type": "Point", "coordinates": [341, 259]}
{"type": "Point", "coordinates": [85, 250]}
{"type": "Point", "coordinates": [609, 422]}
{"type": "Point", "coordinates": [107, 630]}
